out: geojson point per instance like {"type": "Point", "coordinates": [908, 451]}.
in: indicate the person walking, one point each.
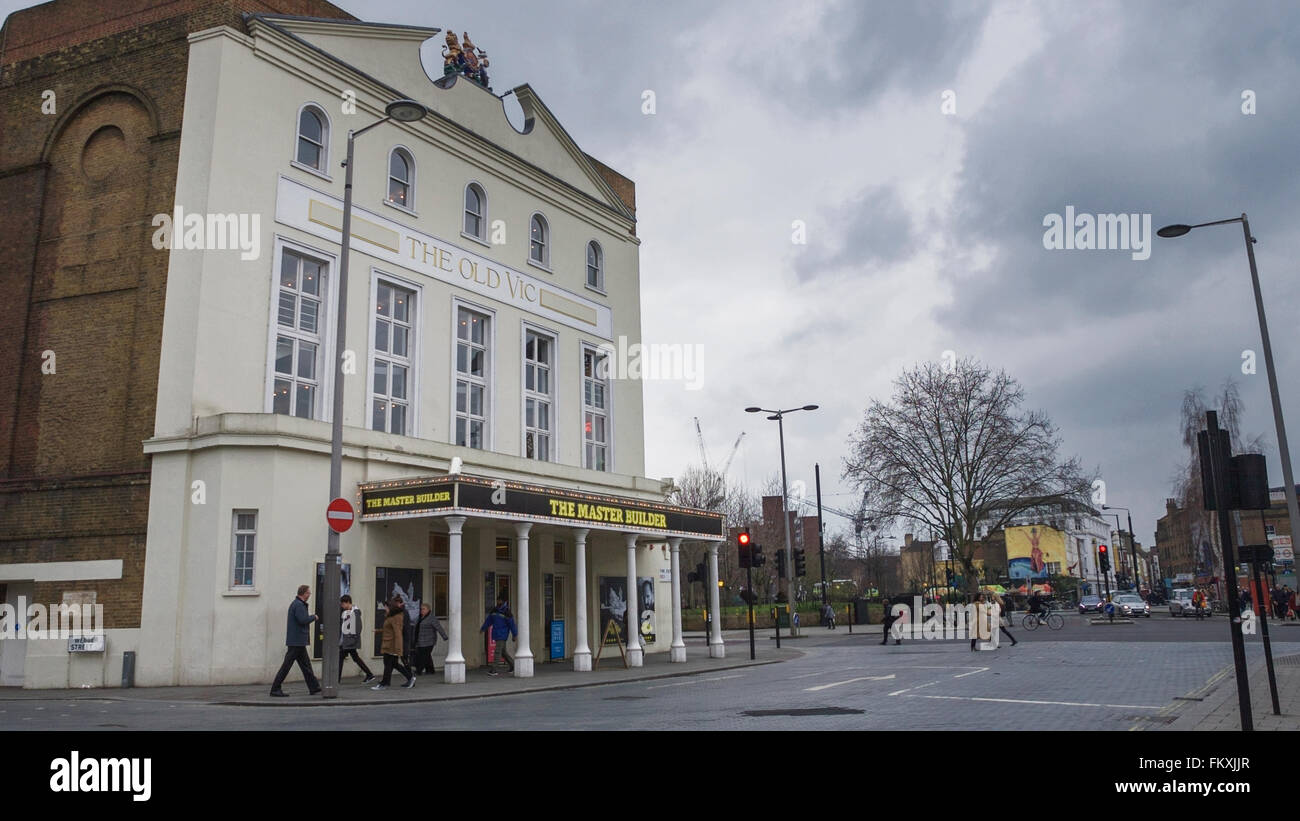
{"type": "Point", "coordinates": [502, 624]}
{"type": "Point", "coordinates": [1005, 621]}
{"type": "Point", "coordinates": [296, 634]}
{"type": "Point", "coordinates": [888, 622]}
{"type": "Point", "coordinates": [350, 638]}
{"type": "Point", "coordinates": [391, 646]}
{"type": "Point", "coordinates": [828, 616]}
{"type": "Point", "coordinates": [427, 630]}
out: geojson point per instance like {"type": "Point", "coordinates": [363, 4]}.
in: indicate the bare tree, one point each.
{"type": "Point", "coordinates": [953, 449]}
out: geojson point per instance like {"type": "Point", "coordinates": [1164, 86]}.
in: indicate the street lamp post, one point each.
{"type": "Point", "coordinates": [1119, 531]}
{"type": "Point", "coordinates": [405, 111]}
{"type": "Point", "coordinates": [1293, 510]}
{"type": "Point", "coordinates": [778, 416]}
{"type": "Point", "coordinates": [1137, 582]}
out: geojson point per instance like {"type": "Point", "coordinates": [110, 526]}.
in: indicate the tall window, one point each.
{"type": "Point", "coordinates": [595, 266]}
{"type": "Point", "coordinates": [595, 410]}
{"type": "Point", "coordinates": [391, 382]}
{"type": "Point", "coordinates": [298, 335]}
{"type": "Point", "coordinates": [313, 138]}
{"type": "Point", "coordinates": [539, 247]}
{"type": "Point", "coordinates": [475, 211]}
{"type": "Point", "coordinates": [244, 547]}
{"type": "Point", "coordinates": [401, 171]}
{"type": "Point", "coordinates": [471, 378]}
{"type": "Point", "coordinates": [539, 352]}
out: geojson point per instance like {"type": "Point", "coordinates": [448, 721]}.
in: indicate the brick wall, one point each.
{"type": "Point", "coordinates": [81, 277]}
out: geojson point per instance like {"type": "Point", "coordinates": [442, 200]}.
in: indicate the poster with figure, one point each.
{"type": "Point", "coordinates": [613, 605]}
{"type": "Point", "coordinates": [396, 581]}
{"type": "Point", "coordinates": [1030, 551]}
{"type": "Point", "coordinates": [645, 607]}
{"type": "Point", "coordinates": [345, 589]}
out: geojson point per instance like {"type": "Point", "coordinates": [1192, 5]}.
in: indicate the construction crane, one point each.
{"type": "Point", "coordinates": [699, 436]}
{"type": "Point", "coordinates": [732, 455]}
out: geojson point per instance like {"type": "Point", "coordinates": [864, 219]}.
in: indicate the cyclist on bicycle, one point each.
{"type": "Point", "coordinates": [1037, 606]}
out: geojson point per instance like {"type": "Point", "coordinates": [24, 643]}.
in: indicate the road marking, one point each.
{"type": "Point", "coordinates": [1032, 701]}
{"type": "Point", "coordinates": [972, 672]}
{"type": "Point", "coordinates": [849, 681]}
{"type": "Point", "coordinates": [694, 681]}
{"type": "Point", "coordinates": [917, 687]}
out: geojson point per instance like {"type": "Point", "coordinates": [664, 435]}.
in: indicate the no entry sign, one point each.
{"type": "Point", "coordinates": [339, 515]}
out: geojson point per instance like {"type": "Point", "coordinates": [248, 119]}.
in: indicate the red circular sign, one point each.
{"type": "Point", "coordinates": [339, 515]}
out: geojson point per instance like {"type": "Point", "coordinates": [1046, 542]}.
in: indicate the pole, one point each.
{"type": "Point", "coordinates": [749, 587]}
{"type": "Point", "coordinates": [1293, 511]}
{"type": "Point", "coordinates": [821, 541]}
{"type": "Point", "coordinates": [333, 556]}
{"type": "Point", "coordinates": [1219, 479]}
{"type": "Point", "coordinates": [785, 517]}
{"type": "Point", "coordinates": [1137, 580]}
{"type": "Point", "coordinates": [1268, 647]}
{"type": "Point", "coordinates": [776, 620]}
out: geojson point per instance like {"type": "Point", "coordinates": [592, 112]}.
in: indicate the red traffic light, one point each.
{"type": "Point", "coordinates": [743, 538]}
{"type": "Point", "coordinates": [1101, 549]}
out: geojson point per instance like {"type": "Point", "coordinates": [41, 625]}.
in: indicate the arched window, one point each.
{"type": "Point", "coordinates": [475, 211]}
{"type": "Point", "coordinates": [401, 178]}
{"type": "Point", "coordinates": [539, 246]}
{"type": "Point", "coordinates": [595, 266]}
{"type": "Point", "coordinates": [313, 138]}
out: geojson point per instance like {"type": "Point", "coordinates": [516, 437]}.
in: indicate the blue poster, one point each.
{"type": "Point", "coordinates": [557, 640]}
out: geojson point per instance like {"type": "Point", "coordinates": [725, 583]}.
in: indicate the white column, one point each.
{"type": "Point", "coordinates": [524, 653]}
{"type": "Point", "coordinates": [453, 669]}
{"type": "Point", "coordinates": [716, 648]}
{"type": "Point", "coordinates": [634, 654]}
{"type": "Point", "coordinates": [677, 651]}
{"type": "Point", "coordinates": [581, 650]}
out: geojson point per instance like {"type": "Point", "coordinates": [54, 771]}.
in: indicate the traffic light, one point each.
{"type": "Point", "coordinates": [800, 563]}
{"type": "Point", "coordinates": [742, 544]}
{"type": "Point", "coordinates": [756, 557]}
{"type": "Point", "coordinates": [780, 564]}
{"type": "Point", "coordinates": [1103, 558]}
{"type": "Point", "coordinates": [698, 574]}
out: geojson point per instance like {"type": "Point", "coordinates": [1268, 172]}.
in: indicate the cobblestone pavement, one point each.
{"type": "Point", "coordinates": [830, 681]}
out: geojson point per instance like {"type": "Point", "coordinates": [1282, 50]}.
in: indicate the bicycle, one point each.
{"type": "Point", "coordinates": [1031, 621]}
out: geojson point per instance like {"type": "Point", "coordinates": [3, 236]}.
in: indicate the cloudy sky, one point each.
{"type": "Point", "coordinates": [925, 228]}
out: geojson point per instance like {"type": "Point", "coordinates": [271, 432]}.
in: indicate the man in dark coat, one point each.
{"type": "Point", "coordinates": [297, 633]}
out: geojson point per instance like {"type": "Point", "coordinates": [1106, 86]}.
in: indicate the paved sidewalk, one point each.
{"type": "Point", "coordinates": [478, 684]}
{"type": "Point", "coordinates": [1214, 706]}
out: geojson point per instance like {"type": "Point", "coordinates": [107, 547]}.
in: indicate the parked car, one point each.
{"type": "Point", "coordinates": [1180, 603]}
{"type": "Point", "coordinates": [1131, 604]}
{"type": "Point", "coordinates": [1090, 604]}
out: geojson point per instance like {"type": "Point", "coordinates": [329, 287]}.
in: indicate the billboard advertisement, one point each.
{"type": "Point", "coordinates": [1031, 549]}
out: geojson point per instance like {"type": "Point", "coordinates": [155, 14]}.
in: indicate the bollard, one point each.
{"type": "Point", "coordinates": [128, 669]}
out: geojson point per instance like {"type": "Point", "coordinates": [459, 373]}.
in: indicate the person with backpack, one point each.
{"type": "Point", "coordinates": [350, 638]}
{"type": "Point", "coordinates": [391, 646]}
{"type": "Point", "coordinates": [501, 622]}
{"type": "Point", "coordinates": [427, 630]}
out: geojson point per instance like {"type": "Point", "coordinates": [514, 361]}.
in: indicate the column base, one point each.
{"type": "Point", "coordinates": [453, 672]}
{"type": "Point", "coordinates": [582, 661]}
{"type": "Point", "coordinates": [717, 651]}
{"type": "Point", "coordinates": [635, 657]}
{"type": "Point", "coordinates": [523, 667]}
{"type": "Point", "coordinates": [677, 654]}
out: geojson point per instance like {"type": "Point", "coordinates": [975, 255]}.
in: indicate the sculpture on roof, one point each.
{"type": "Point", "coordinates": [463, 57]}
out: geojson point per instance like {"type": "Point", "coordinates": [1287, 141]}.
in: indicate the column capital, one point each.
{"type": "Point", "coordinates": [580, 533]}
{"type": "Point", "coordinates": [631, 539]}
{"type": "Point", "coordinates": [713, 548]}
{"type": "Point", "coordinates": [674, 543]}
{"type": "Point", "coordinates": [455, 523]}
{"type": "Point", "coordinates": [522, 528]}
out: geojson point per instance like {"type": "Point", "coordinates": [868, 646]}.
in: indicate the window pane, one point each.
{"type": "Point", "coordinates": [462, 325]}
{"type": "Point", "coordinates": [397, 166]}
{"type": "Point", "coordinates": [473, 225]}
{"type": "Point", "coordinates": [460, 431]}
{"type": "Point", "coordinates": [308, 153]}
{"type": "Point", "coordinates": [530, 347]}
{"type": "Point", "coordinates": [280, 402]}
{"type": "Point", "coordinates": [384, 301]}
{"type": "Point", "coordinates": [381, 335]}
{"type": "Point", "coordinates": [600, 458]}
{"type": "Point", "coordinates": [311, 277]}
{"type": "Point", "coordinates": [399, 340]}
{"type": "Point", "coordinates": [528, 446]}
{"type": "Point", "coordinates": [544, 448]}
{"type": "Point", "coordinates": [543, 350]}
{"type": "Point", "coordinates": [543, 416]}
{"type": "Point", "coordinates": [309, 126]}
{"type": "Point", "coordinates": [593, 260]}
{"type": "Point", "coordinates": [476, 358]}
{"type": "Point", "coordinates": [246, 521]}
{"type": "Point", "coordinates": [381, 378]}
{"type": "Point", "coordinates": [399, 382]}
{"type": "Point", "coordinates": [377, 415]}
{"type": "Point", "coordinates": [528, 377]}
{"type": "Point", "coordinates": [476, 324]}
{"type": "Point", "coordinates": [598, 395]}
{"type": "Point", "coordinates": [306, 360]}
{"type": "Point", "coordinates": [283, 355]}
{"type": "Point", "coordinates": [397, 192]}
{"type": "Point", "coordinates": [543, 381]}
{"type": "Point", "coordinates": [307, 316]}
{"type": "Point", "coordinates": [462, 358]}
{"type": "Point", "coordinates": [476, 400]}
{"type": "Point", "coordinates": [535, 248]}
{"type": "Point", "coordinates": [476, 434]}
{"type": "Point", "coordinates": [306, 401]}
{"type": "Point", "coordinates": [402, 305]}
{"type": "Point", "coordinates": [472, 203]}
{"type": "Point", "coordinates": [461, 390]}
{"type": "Point", "coordinates": [398, 425]}
{"type": "Point", "coordinates": [600, 429]}
{"type": "Point", "coordinates": [530, 411]}
{"type": "Point", "coordinates": [288, 302]}
{"type": "Point", "coordinates": [288, 270]}
{"type": "Point", "coordinates": [539, 231]}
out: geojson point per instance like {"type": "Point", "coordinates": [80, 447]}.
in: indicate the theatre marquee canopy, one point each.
{"type": "Point", "coordinates": [515, 501]}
